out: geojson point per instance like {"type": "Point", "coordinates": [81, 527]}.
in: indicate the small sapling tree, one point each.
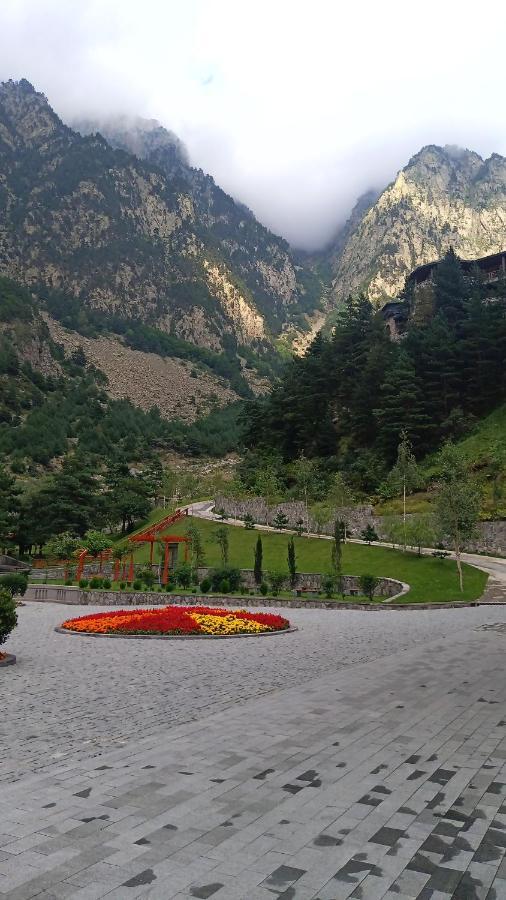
{"type": "Point", "coordinates": [221, 538]}
{"type": "Point", "coordinates": [457, 505]}
{"type": "Point", "coordinates": [280, 521]}
{"type": "Point", "coordinates": [405, 476]}
{"type": "Point", "coordinates": [369, 534]}
{"type": "Point", "coordinates": [369, 585]}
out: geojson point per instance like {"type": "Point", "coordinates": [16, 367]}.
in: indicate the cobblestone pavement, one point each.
{"type": "Point", "coordinates": [73, 696]}
{"type": "Point", "coordinates": [370, 761]}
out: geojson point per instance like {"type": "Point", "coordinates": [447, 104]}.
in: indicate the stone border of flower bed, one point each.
{"type": "Point", "coordinates": [8, 660]}
{"type": "Point", "coordinates": [176, 637]}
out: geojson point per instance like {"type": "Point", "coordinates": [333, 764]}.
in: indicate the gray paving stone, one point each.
{"type": "Point", "coordinates": [189, 793]}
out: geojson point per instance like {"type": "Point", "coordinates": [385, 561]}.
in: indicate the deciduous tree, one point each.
{"type": "Point", "coordinates": [457, 504]}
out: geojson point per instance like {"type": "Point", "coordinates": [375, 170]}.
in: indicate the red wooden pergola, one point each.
{"type": "Point", "coordinates": [84, 556]}
{"type": "Point", "coordinates": [152, 534]}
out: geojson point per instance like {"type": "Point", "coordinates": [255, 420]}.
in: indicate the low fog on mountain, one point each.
{"type": "Point", "coordinates": [294, 111]}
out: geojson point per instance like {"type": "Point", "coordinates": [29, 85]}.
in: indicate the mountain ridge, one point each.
{"type": "Point", "coordinates": [124, 236]}
{"type": "Point", "coordinates": [444, 197]}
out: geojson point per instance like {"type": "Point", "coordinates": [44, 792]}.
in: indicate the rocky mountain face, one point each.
{"type": "Point", "coordinates": [443, 198]}
{"type": "Point", "coordinates": [146, 239]}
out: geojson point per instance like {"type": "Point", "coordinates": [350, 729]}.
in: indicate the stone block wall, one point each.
{"type": "Point", "coordinates": [491, 536]}
{"type": "Point", "coordinates": [306, 582]}
{"type": "Point", "coordinates": [355, 517]}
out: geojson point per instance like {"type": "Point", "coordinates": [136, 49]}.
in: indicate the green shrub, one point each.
{"type": "Point", "coordinates": [83, 582]}
{"type": "Point", "coordinates": [137, 585]}
{"type": "Point", "coordinates": [369, 585]}
{"type": "Point", "coordinates": [69, 581]}
{"type": "Point", "coordinates": [183, 575]}
{"type": "Point", "coordinates": [328, 585]}
{"type": "Point", "coordinates": [15, 582]}
{"type": "Point", "coordinates": [276, 580]}
{"type": "Point", "coordinates": [147, 576]}
{"type": "Point", "coordinates": [107, 583]}
{"type": "Point", "coordinates": [96, 582]}
{"type": "Point", "coordinates": [122, 585]}
{"type": "Point", "coordinates": [205, 585]}
{"type": "Point", "coordinates": [233, 576]}
{"type": "Point", "coordinates": [264, 590]}
{"type": "Point", "coordinates": [169, 586]}
{"type": "Point", "coordinates": [8, 614]}
{"type": "Point", "coordinates": [225, 586]}
{"type": "Point", "coordinates": [369, 534]}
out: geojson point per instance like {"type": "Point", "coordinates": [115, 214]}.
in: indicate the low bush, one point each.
{"type": "Point", "coordinates": [106, 583]}
{"type": "Point", "coordinates": [264, 590]}
{"type": "Point", "coordinates": [169, 586]}
{"type": "Point", "coordinates": [8, 614]}
{"type": "Point", "coordinates": [225, 586]}
{"type": "Point", "coordinates": [183, 575]}
{"type": "Point", "coordinates": [147, 576]}
{"type": "Point", "coordinates": [96, 582]}
{"type": "Point", "coordinates": [368, 585]}
{"type": "Point", "coordinates": [233, 576]}
{"type": "Point", "coordinates": [15, 582]}
{"type": "Point", "coordinates": [277, 580]}
{"type": "Point", "coordinates": [83, 582]}
{"type": "Point", "coordinates": [137, 585]}
{"type": "Point", "coordinates": [122, 585]}
{"type": "Point", "coordinates": [205, 585]}
{"type": "Point", "coordinates": [328, 585]}
{"type": "Point", "coordinates": [69, 581]}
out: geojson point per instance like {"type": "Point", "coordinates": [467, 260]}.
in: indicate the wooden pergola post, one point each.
{"type": "Point", "coordinates": [165, 574]}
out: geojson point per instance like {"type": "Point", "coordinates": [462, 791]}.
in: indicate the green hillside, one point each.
{"type": "Point", "coordinates": [431, 580]}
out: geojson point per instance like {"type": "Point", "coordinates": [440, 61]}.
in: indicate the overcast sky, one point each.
{"type": "Point", "coordinates": [294, 107]}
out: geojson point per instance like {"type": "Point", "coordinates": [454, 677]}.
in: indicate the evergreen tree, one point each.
{"type": "Point", "coordinates": [337, 549]}
{"type": "Point", "coordinates": [292, 562]}
{"type": "Point", "coordinates": [9, 507]}
{"type": "Point", "coordinates": [258, 561]}
{"type": "Point", "coordinates": [70, 500]}
{"type": "Point", "coordinates": [401, 407]}
{"type": "Point", "coordinates": [280, 521]}
{"type": "Point", "coordinates": [450, 289]}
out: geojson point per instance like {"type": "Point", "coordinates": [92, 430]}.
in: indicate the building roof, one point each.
{"type": "Point", "coordinates": [421, 273]}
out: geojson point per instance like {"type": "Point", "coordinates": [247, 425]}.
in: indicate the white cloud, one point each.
{"type": "Point", "coordinates": [294, 107]}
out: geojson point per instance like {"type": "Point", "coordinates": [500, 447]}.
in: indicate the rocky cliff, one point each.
{"type": "Point", "coordinates": [444, 197]}
{"type": "Point", "coordinates": [140, 238]}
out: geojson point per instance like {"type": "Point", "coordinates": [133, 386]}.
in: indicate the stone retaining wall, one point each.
{"type": "Point", "coordinates": [311, 581]}
{"type": "Point", "coordinates": [491, 536]}
{"type": "Point", "coordinates": [53, 593]}
{"type": "Point", "coordinates": [355, 517]}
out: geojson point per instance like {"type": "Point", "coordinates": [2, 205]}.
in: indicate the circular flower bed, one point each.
{"type": "Point", "coordinates": [174, 621]}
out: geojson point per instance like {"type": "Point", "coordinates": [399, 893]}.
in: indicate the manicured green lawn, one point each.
{"type": "Point", "coordinates": [431, 580]}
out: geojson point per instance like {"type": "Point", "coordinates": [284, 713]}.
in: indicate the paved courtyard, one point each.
{"type": "Point", "coordinates": [363, 756]}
